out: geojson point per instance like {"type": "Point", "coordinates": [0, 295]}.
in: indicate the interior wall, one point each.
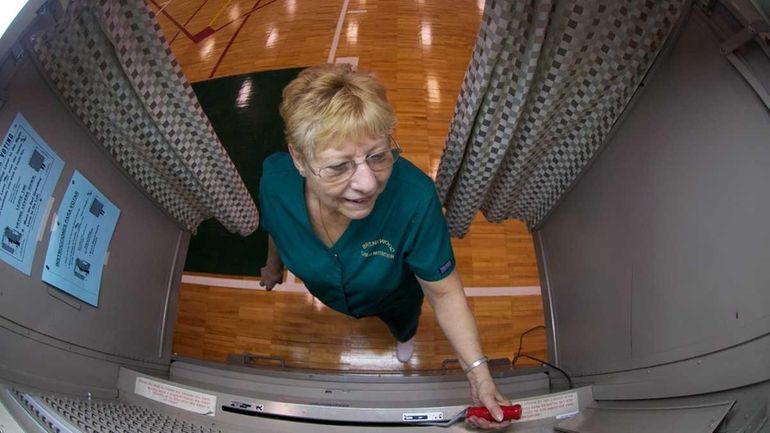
{"type": "Point", "coordinates": [132, 324]}
{"type": "Point", "coordinates": [660, 252]}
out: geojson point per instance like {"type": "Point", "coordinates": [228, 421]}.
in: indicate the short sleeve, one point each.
{"type": "Point", "coordinates": [430, 254]}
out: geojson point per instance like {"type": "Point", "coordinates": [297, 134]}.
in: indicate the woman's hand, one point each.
{"type": "Point", "coordinates": [270, 277]}
{"type": "Point", "coordinates": [447, 298]}
{"type": "Point", "coordinates": [484, 393]}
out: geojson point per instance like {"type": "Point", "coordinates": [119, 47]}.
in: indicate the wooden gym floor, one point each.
{"type": "Point", "coordinates": [420, 49]}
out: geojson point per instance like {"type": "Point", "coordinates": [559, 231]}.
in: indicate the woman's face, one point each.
{"type": "Point", "coordinates": [354, 197]}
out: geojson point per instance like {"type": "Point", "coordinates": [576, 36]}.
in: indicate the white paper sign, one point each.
{"type": "Point", "coordinates": [553, 406]}
{"type": "Point", "coordinates": [77, 249]}
{"type": "Point", "coordinates": [181, 398]}
{"type": "Point", "coordinates": [29, 170]}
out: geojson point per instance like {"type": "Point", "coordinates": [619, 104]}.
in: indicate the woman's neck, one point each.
{"type": "Point", "coordinates": [329, 224]}
{"type": "Point", "coordinates": [332, 216]}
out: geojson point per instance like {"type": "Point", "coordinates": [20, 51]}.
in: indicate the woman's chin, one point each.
{"type": "Point", "coordinates": [356, 212]}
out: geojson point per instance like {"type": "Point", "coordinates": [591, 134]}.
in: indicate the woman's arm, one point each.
{"type": "Point", "coordinates": [272, 272]}
{"type": "Point", "coordinates": [447, 298]}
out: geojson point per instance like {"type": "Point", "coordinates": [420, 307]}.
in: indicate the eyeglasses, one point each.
{"type": "Point", "coordinates": [377, 161]}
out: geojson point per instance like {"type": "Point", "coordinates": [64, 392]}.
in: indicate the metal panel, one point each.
{"type": "Point", "coordinates": [43, 362]}
{"type": "Point", "coordinates": [139, 283]}
{"type": "Point", "coordinates": [740, 365]}
{"type": "Point", "coordinates": [660, 252]}
{"type": "Point", "coordinates": [691, 419]}
{"type": "Point", "coordinates": [344, 388]}
{"type": "Point", "coordinates": [292, 401]}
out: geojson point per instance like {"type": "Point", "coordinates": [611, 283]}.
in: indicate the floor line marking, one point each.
{"type": "Point", "coordinates": [207, 31]}
{"type": "Point", "coordinates": [245, 14]}
{"type": "Point", "coordinates": [294, 287]}
{"type": "Point", "coordinates": [179, 26]}
{"type": "Point", "coordinates": [230, 43]}
{"type": "Point", "coordinates": [219, 12]}
{"type": "Point", "coordinates": [188, 21]}
{"type": "Point", "coordinates": [164, 6]}
{"type": "Point", "coordinates": [336, 40]}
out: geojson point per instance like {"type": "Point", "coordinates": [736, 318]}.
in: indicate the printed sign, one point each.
{"type": "Point", "coordinates": [80, 237]}
{"type": "Point", "coordinates": [553, 406]}
{"type": "Point", "coordinates": [29, 170]}
{"type": "Point", "coordinates": [181, 398]}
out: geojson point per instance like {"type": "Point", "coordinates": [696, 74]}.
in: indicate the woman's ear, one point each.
{"type": "Point", "coordinates": [298, 159]}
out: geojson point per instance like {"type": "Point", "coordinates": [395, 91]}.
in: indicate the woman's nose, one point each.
{"type": "Point", "coordinates": [363, 179]}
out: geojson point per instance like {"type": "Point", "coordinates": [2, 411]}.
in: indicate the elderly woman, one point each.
{"type": "Point", "coordinates": [362, 227]}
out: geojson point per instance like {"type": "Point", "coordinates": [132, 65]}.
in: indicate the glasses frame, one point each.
{"type": "Point", "coordinates": [393, 147]}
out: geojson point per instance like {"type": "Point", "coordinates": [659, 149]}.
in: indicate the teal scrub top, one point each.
{"type": "Point", "coordinates": [372, 266]}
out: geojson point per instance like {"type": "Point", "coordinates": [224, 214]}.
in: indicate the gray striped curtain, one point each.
{"type": "Point", "coordinates": [546, 82]}
{"type": "Point", "coordinates": [115, 71]}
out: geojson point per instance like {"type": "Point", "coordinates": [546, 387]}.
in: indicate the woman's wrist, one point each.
{"type": "Point", "coordinates": [482, 360]}
{"type": "Point", "coordinates": [274, 264]}
{"type": "Point", "coordinates": [479, 374]}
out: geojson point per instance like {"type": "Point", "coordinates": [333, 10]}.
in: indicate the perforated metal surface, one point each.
{"type": "Point", "coordinates": [65, 414]}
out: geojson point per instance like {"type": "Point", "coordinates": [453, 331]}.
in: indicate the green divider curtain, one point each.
{"type": "Point", "coordinates": [115, 71]}
{"type": "Point", "coordinates": [546, 82]}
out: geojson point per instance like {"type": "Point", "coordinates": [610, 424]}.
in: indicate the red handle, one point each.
{"type": "Point", "coordinates": [509, 412]}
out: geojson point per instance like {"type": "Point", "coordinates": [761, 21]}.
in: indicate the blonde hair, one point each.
{"type": "Point", "coordinates": [329, 104]}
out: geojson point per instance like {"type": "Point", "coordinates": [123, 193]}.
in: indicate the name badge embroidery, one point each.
{"type": "Point", "coordinates": [378, 247]}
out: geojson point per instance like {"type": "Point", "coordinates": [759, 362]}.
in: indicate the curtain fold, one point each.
{"type": "Point", "coordinates": [116, 72]}
{"type": "Point", "coordinates": [546, 82]}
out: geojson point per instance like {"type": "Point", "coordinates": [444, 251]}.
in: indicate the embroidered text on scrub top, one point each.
{"type": "Point", "coordinates": [378, 247]}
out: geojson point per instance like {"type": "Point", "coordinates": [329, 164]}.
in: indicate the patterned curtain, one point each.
{"type": "Point", "coordinates": [546, 82]}
{"type": "Point", "coordinates": [115, 71]}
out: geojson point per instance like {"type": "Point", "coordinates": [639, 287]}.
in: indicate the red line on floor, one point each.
{"type": "Point", "coordinates": [229, 44]}
{"type": "Point", "coordinates": [179, 26]}
{"type": "Point", "coordinates": [190, 19]}
{"type": "Point", "coordinates": [174, 38]}
{"type": "Point", "coordinates": [207, 31]}
{"type": "Point", "coordinates": [245, 15]}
